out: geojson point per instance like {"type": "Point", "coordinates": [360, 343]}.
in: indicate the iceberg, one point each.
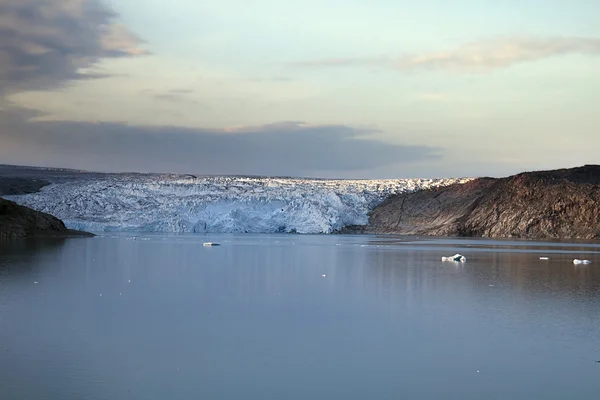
{"type": "Point", "coordinates": [226, 204]}
{"type": "Point", "coordinates": [455, 258]}
{"type": "Point", "coordinates": [576, 261]}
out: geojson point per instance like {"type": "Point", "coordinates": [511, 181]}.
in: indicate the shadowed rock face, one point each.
{"type": "Point", "coordinates": [19, 221]}
{"type": "Point", "coordinates": [547, 204]}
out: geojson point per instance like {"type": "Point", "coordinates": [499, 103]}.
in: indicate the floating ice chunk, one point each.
{"type": "Point", "coordinates": [35, 282]}
{"type": "Point", "coordinates": [324, 276]}
{"type": "Point", "coordinates": [210, 244]}
{"type": "Point", "coordinates": [576, 261]}
{"type": "Point", "coordinates": [457, 258]}
{"type": "Point", "coordinates": [544, 258]}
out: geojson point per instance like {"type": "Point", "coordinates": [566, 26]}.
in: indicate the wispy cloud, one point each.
{"type": "Point", "coordinates": [478, 56]}
{"type": "Point", "coordinates": [176, 96]}
{"type": "Point", "coordinates": [343, 62]}
{"type": "Point", "coordinates": [181, 91]}
{"type": "Point", "coordinates": [45, 43]}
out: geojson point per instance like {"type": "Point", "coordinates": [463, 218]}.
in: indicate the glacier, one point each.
{"type": "Point", "coordinates": [227, 204]}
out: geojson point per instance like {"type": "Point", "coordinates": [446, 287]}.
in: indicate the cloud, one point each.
{"type": "Point", "coordinates": [342, 62]}
{"type": "Point", "coordinates": [182, 91]}
{"type": "Point", "coordinates": [284, 149]}
{"type": "Point", "coordinates": [176, 96]}
{"type": "Point", "coordinates": [46, 43]}
{"type": "Point", "coordinates": [478, 56]}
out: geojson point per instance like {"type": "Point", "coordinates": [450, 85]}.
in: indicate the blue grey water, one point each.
{"type": "Point", "coordinates": [163, 317]}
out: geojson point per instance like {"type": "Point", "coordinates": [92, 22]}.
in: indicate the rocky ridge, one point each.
{"type": "Point", "coordinates": [557, 204]}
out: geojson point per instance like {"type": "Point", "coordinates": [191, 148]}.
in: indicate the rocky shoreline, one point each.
{"type": "Point", "coordinates": [556, 204]}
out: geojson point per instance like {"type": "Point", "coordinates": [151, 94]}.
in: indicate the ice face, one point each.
{"type": "Point", "coordinates": [174, 203]}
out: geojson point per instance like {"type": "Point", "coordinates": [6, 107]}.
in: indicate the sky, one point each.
{"type": "Point", "coordinates": [321, 88]}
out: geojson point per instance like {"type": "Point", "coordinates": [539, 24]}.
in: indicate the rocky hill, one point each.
{"type": "Point", "coordinates": [537, 205]}
{"type": "Point", "coordinates": [20, 221]}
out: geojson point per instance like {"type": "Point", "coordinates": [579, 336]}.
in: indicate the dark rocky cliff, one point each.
{"type": "Point", "coordinates": [20, 221]}
{"type": "Point", "coordinates": [537, 205]}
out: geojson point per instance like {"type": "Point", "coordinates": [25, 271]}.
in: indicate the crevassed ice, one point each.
{"type": "Point", "coordinates": [216, 204]}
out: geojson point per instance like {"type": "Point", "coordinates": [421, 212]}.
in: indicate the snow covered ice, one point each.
{"type": "Point", "coordinates": [184, 203]}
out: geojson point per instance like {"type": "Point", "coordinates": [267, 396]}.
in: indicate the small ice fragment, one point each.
{"type": "Point", "coordinates": [119, 293]}
{"type": "Point", "coordinates": [576, 261]}
{"type": "Point", "coordinates": [491, 285]}
{"type": "Point", "coordinates": [35, 282]}
{"type": "Point", "coordinates": [324, 276]}
{"type": "Point", "coordinates": [544, 258]}
{"type": "Point", "coordinates": [210, 244]}
{"type": "Point", "coordinates": [129, 281]}
{"type": "Point", "coordinates": [457, 258]}
{"type": "Point", "coordinates": [477, 370]}
{"type": "Point", "coordinates": [100, 294]}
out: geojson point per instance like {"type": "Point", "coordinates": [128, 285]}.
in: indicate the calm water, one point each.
{"type": "Point", "coordinates": [166, 318]}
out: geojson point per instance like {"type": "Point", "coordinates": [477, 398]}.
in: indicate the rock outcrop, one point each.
{"type": "Point", "coordinates": [559, 204]}
{"type": "Point", "coordinates": [20, 221]}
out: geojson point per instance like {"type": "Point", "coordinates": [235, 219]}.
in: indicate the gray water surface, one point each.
{"type": "Point", "coordinates": [162, 317]}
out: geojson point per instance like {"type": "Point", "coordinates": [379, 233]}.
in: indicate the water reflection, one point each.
{"type": "Point", "coordinates": [21, 257]}
{"type": "Point", "coordinates": [164, 317]}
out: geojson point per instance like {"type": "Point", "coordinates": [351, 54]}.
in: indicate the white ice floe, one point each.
{"type": "Point", "coordinates": [457, 258]}
{"type": "Point", "coordinates": [544, 258]}
{"type": "Point", "coordinates": [210, 244]}
{"type": "Point", "coordinates": [576, 261]}
{"type": "Point", "coordinates": [177, 203]}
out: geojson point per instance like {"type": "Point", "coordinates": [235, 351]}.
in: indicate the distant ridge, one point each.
{"type": "Point", "coordinates": [19, 169]}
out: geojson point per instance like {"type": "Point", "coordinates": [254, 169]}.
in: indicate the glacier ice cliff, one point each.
{"type": "Point", "coordinates": [184, 203]}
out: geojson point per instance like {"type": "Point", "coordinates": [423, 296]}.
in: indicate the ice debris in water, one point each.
{"type": "Point", "coordinates": [457, 258]}
{"type": "Point", "coordinates": [576, 261]}
{"type": "Point", "coordinates": [210, 244]}
{"type": "Point", "coordinates": [544, 258]}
